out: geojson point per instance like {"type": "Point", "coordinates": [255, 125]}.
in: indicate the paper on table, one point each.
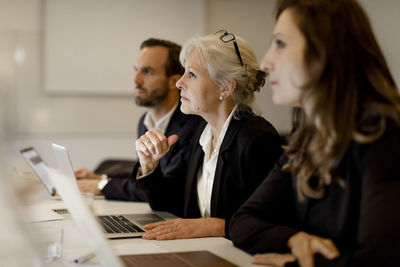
{"type": "Point", "coordinates": [38, 213]}
{"type": "Point", "coordinates": [130, 248]}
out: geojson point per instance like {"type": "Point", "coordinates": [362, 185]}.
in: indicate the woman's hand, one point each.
{"type": "Point", "coordinates": [273, 259]}
{"type": "Point", "coordinates": [185, 228]}
{"type": "Point", "coordinates": [303, 247]}
{"type": "Point", "coordinates": [151, 147]}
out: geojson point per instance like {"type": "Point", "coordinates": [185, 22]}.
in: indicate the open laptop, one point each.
{"type": "Point", "coordinates": [114, 225]}
{"type": "Point", "coordinates": [39, 167]}
{"type": "Point", "coordinates": [35, 161]}
{"type": "Point", "coordinates": [91, 232]}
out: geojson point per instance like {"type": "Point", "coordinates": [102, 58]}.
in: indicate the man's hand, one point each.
{"type": "Point", "coordinates": [84, 173]}
{"type": "Point", "coordinates": [185, 228]}
{"type": "Point", "coordinates": [89, 186]}
{"type": "Point", "coordinates": [151, 147]}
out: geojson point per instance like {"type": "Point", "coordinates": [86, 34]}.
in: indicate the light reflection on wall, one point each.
{"type": "Point", "coordinates": [42, 115]}
{"type": "Point", "coordinates": [19, 55]}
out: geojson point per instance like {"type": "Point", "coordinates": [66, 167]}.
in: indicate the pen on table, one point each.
{"type": "Point", "coordinates": [84, 258]}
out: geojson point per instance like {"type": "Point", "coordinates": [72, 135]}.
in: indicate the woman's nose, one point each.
{"type": "Point", "coordinates": [180, 84]}
{"type": "Point", "coordinates": [266, 64]}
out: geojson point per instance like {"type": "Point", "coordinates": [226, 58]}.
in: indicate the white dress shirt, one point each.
{"type": "Point", "coordinates": [161, 124]}
{"type": "Point", "coordinates": [205, 176]}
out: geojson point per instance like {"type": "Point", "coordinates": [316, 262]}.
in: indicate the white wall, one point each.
{"type": "Point", "coordinates": [95, 127]}
{"type": "Point", "coordinates": [103, 36]}
{"type": "Point", "coordinates": [91, 127]}
{"type": "Point", "coordinates": [385, 19]}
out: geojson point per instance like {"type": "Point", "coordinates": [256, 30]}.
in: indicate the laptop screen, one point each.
{"type": "Point", "coordinates": [84, 219]}
{"type": "Point", "coordinates": [39, 166]}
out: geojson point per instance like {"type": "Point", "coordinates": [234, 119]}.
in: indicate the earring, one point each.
{"type": "Point", "coordinates": [220, 98]}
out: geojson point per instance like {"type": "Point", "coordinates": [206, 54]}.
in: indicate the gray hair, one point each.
{"type": "Point", "coordinates": [223, 65]}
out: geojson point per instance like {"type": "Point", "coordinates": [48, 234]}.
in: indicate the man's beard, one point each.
{"type": "Point", "coordinates": [153, 99]}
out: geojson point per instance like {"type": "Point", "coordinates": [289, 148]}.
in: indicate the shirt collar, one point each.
{"type": "Point", "coordinates": [206, 135]}
{"type": "Point", "coordinates": [162, 123]}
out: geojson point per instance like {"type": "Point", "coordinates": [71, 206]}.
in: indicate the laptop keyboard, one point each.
{"type": "Point", "coordinates": [61, 211]}
{"type": "Point", "coordinates": [118, 224]}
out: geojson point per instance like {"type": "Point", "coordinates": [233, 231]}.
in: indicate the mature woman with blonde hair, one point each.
{"type": "Point", "coordinates": [231, 152]}
{"type": "Point", "coordinates": [333, 198]}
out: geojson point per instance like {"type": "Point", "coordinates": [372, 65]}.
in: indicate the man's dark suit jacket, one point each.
{"type": "Point", "coordinates": [248, 152]}
{"type": "Point", "coordinates": [180, 124]}
{"type": "Point", "coordinates": [362, 218]}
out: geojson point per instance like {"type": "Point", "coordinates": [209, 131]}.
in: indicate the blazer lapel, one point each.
{"type": "Point", "coordinates": [302, 207]}
{"type": "Point", "coordinates": [177, 122]}
{"type": "Point", "coordinates": [142, 129]}
{"type": "Point", "coordinates": [191, 208]}
{"type": "Point", "coordinates": [229, 137]}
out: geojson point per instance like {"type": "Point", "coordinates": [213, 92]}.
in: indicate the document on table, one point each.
{"type": "Point", "coordinates": [39, 213]}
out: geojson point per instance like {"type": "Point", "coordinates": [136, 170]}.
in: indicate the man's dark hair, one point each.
{"type": "Point", "coordinates": [173, 65]}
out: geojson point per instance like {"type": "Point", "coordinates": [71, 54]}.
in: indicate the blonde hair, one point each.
{"type": "Point", "coordinates": [223, 65]}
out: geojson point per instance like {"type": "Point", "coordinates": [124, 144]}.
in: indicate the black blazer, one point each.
{"type": "Point", "coordinates": [248, 152]}
{"type": "Point", "coordinates": [361, 218]}
{"type": "Point", "coordinates": [180, 124]}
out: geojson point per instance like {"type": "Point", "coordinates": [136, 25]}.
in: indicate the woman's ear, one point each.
{"type": "Point", "coordinates": [172, 80]}
{"type": "Point", "coordinates": [228, 88]}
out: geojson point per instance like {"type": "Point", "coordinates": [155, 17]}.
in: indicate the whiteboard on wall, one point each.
{"type": "Point", "coordinates": [90, 46]}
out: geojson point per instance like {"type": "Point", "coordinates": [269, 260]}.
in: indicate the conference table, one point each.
{"type": "Point", "coordinates": [74, 246]}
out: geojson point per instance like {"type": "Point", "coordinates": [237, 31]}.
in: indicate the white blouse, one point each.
{"type": "Point", "coordinates": [205, 175]}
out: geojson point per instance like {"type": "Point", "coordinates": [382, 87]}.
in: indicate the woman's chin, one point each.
{"type": "Point", "coordinates": [185, 110]}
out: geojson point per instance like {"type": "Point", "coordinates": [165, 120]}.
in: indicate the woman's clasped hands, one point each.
{"type": "Point", "coordinates": [303, 247]}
